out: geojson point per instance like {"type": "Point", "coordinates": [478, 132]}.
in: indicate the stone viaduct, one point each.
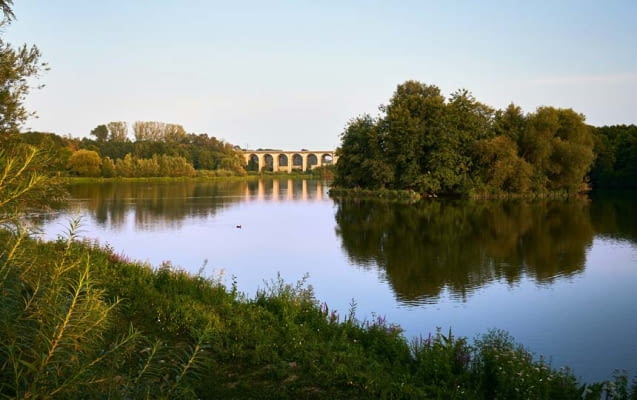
{"type": "Point", "coordinates": [284, 160]}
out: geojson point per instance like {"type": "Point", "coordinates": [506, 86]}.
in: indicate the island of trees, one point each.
{"type": "Point", "coordinates": [425, 143]}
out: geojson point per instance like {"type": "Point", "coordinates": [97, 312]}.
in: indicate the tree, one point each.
{"type": "Point", "coordinates": [85, 163]}
{"type": "Point", "coordinates": [145, 130]}
{"type": "Point", "coordinates": [361, 156]}
{"type": "Point", "coordinates": [499, 167]}
{"type": "Point", "coordinates": [174, 133]}
{"type": "Point", "coordinates": [413, 122]}
{"type": "Point", "coordinates": [153, 131]}
{"type": "Point", "coordinates": [510, 122]}
{"type": "Point", "coordinates": [466, 120]}
{"type": "Point", "coordinates": [559, 146]}
{"type": "Point", "coordinates": [100, 132]}
{"type": "Point", "coordinates": [5, 7]}
{"type": "Point", "coordinates": [616, 157]}
{"type": "Point", "coordinates": [17, 68]}
{"type": "Point", "coordinates": [118, 131]}
{"type": "Point", "coordinates": [108, 167]}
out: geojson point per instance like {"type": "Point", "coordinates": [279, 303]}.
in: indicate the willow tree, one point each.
{"type": "Point", "coordinates": [559, 145]}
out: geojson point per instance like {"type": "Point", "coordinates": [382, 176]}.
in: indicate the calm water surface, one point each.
{"type": "Point", "coordinates": [560, 276]}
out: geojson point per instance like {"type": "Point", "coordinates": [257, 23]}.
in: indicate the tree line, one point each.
{"type": "Point", "coordinates": [423, 142]}
{"type": "Point", "coordinates": [168, 151]}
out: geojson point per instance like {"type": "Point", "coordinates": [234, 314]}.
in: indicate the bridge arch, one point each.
{"type": "Point", "coordinates": [283, 160]}
{"type": "Point", "coordinates": [254, 162]}
{"type": "Point", "coordinates": [298, 162]}
{"type": "Point", "coordinates": [312, 161]}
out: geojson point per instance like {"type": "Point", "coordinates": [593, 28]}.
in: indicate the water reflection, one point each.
{"type": "Point", "coordinates": [462, 245]}
{"type": "Point", "coordinates": [613, 215]}
{"type": "Point", "coordinates": [168, 204]}
{"type": "Point", "coordinates": [285, 189]}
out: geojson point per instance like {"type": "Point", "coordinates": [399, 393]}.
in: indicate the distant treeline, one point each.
{"type": "Point", "coordinates": [159, 149]}
{"type": "Point", "coordinates": [459, 146]}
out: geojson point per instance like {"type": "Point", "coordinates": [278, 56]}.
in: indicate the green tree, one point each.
{"type": "Point", "coordinates": [499, 167]}
{"type": "Point", "coordinates": [125, 167]}
{"type": "Point", "coordinates": [100, 132]}
{"type": "Point", "coordinates": [450, 162]}
{"type": "Point", "coordinates": [361, 156]}
{"type": "Point", "coordinates": [85, 163]}
{"type": "Point", "coordinates": [559, 145]}
{"type": "Point", "coordinates": [174, 166]}
{"type": "Point", "coordinates": [18, 66]}
{"type": "Point", "coordinates": [412, 125]}
{"type": "Point", "coordinates": [616, 157]}
{"type": "Point", "coordinates": [108, 167]}
{"type": "Point", "coordinates": [510, 122]}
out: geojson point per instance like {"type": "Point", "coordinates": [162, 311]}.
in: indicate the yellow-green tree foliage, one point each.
{"type": "Point", "coordinates": [501, 168]}
{"type": "Point", "coordinates": [85, 163]}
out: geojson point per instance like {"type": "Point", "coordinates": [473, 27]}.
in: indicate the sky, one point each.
{"type": "Point", "coordinates": [291, 74]}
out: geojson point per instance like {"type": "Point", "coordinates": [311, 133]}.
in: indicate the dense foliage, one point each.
{"type": "Point", "coordinates": [616, 163]}
{"type": "Point", "coordinates": [112, 157]}
{"type": "Point", "coordinates": [459, 146]}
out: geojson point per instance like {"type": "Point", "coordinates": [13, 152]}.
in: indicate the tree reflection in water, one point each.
{"type": "Point", "coordinates": [169, 203]}
{"type": "Point", "coordinates": [461, 245]}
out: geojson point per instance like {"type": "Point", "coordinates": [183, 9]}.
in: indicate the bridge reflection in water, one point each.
{"type": "Point", "coordinates": [286, 189]}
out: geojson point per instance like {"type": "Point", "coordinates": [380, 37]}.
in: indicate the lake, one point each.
{"type": "Point", "coordinates": [559, 275]}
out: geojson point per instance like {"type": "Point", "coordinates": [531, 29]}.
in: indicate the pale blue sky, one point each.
{"type": "Point", "coordinates": [290, 74]}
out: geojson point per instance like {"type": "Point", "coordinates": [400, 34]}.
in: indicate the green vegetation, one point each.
{"type": "Point", "coordinates": [616, 163]}
{"type": "Point", "coordinates": [185, 156]}
{"type": "Point", "coordinates": [406, 196]}
{"type": "Point", "coordinates": [459, 146]}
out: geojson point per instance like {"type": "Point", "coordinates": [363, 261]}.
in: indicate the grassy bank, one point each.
{"type": "Point", "coordinates": [201, 176]}
{"type": "Point", "coordinates": [81, 321]}
{"type": "Point", "coordinates": [408, 196]}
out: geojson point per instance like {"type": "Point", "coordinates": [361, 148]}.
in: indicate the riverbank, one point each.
{"type": "Point", "coordinates": [79, 318]}
{"type": "Point", "coordinates": [201, 176]}
{"type": "Point", "coordinates": [410, 196]}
